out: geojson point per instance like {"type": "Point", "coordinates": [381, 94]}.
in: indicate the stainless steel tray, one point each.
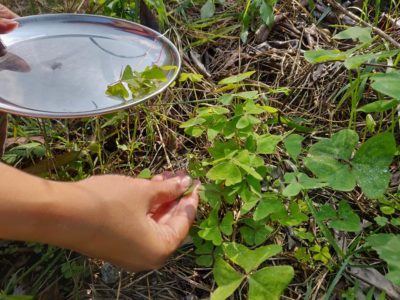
{"type": "Point", "coordinates": [59, 66]}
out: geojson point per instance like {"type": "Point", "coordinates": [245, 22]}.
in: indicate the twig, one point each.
{"type": "Point", "coordinates": [169, 165]}
{"type": "Point", "coordinates": [378, 31]}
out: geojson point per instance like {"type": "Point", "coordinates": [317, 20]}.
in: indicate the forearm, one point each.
{"type": "Point", "coordinates": [34, 209]}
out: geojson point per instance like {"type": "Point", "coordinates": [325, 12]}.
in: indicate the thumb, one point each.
{"type": "Point", "coordinates": [170, 190]}
{"type": "Point", "coordinates": [7, 25]}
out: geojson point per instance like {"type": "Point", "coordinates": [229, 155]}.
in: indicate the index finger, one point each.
{"type": "Point", "coordinates": [183, 216]}
{"type": "Point", "coordinates": [7, 13]}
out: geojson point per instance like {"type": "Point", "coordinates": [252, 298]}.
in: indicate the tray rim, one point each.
{"type": "Point", "coordinates": [22, 111]}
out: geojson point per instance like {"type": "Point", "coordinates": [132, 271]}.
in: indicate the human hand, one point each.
{"type": "Point", "coordinates": [134, 223]}
{"type": "Point", "coordinates": [7, 23]}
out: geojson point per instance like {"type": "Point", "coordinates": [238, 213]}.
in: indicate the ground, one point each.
{"type": "Point", "coordinates": [309, 99]}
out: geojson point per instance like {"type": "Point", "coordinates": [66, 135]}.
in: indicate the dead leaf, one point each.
{"type": "Point", "coordinates": [375, 279]}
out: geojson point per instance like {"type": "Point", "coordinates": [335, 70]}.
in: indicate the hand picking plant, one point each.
{"type": "Point", "coordinates": [246, 199]}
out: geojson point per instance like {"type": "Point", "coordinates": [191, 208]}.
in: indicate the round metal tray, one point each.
{"type": "Point", "coordinates": [59, 66]}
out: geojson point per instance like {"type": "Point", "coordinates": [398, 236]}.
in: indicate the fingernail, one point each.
{"type": "Point", "coordinates": [186, 182]}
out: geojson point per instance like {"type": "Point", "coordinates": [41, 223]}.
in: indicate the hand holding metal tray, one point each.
{"type": "Point", "coordinates": [59, 66]}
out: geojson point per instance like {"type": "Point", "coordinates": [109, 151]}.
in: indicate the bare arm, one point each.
{"type": "Point", "coordinates": [134, 223]}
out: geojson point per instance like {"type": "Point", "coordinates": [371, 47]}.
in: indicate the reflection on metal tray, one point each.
{"type": "Point", "coordinates": [59, 66]}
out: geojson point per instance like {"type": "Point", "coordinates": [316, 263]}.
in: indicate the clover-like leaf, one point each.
{"type": "Point", "coordinates": [269, 204]}
{"type": "Point", "coordinates": [328, 160]}
{"type": "Point", "coordinates": [227, 278]}
{"type": "Point", "coordinates": [339, 146]}
{"type": "Point", "coordinates": [248, 259]}
{"type": "Point", "coordinates": [266, 144]}
{"type": "Point", "coordinates": [209, 228]}
{"type": "Point", "coordinates": [118, 89]}
{"type": "Point", "coordinates": [226, 171]}
{"type": "Point", "coordinates": [227, 223]}
{"type": "Point", "coordinates": [387, 246]}
{"type": "Point", "coordinates": [208, 9]}
{"type": "Point", "coordinates": [347, 219]}
{"type": "Point", "coordinates": [387, 84]}
{"type": "Point", "coordinates": [293, 145]}
{"type": "Point", "coordinates": [270, 282]}
{"type": "Point", "coordinates": [254, 233]}
{"type": "Point", "coordinates": [371, 162]}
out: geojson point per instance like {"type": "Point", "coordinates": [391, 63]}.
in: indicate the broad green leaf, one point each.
{"type": "Point", "coordinates": [269, 204]}
{"type": "Point", "coordinates": [248, 259]}
{"type": "Point", "coordinates": [270, 109]}
{"type": "Point", "coordinates": [249, 170]}
{"type": "Point", "coordinates": [154, 72]}
{"type": "Point", "coordinates": [127, 73]}
{"type": "Point", "coordinates": [363, 34]}
{"type": "Point", "coordinates": [118, 89]}
{"type": "Point", "coordinates": [210, 230]}
{"type": "Point", "coordinates": [370, 123]}
{"type": "Point", "coordinates": [326, 213]}
{"type": "Point", "coordinates": [356, 61]}
{"type": "Point", "coordinates": [379, 106]}
{"type": "Point", "coordinates": [227, 224]}
{"type": "Point", "coordinates": [145, 174]}
{"type": "Point", "coordinates": [293, 217]}
{"type": "Point", "coordinates": [320, 56]}
{"type": "Point", "coordinates": [387, 84]}
{"type": "Point", "coordinates": [267, 13]}
{"type": "Point", "coordinates": [381, 221]}
{"type": "Point", "coordinates": [255, 234]}
{"type": "Point", "coordinates": [193, 122]}
{"type": "Point", "coordinates": [269, 283]}
{"type": "Point", "coordinates": [249, 95]}
{"type": "Point", "coordinates": [293, 189]}
{"type": "Point", "coordinates": [246, 121]}
{"type": "Point", "coordinates": [212, 111]}
{"type": "Point", "coordinates": [211, 194]}
{"type": "Point", "coordinates": [371, 162]}
{"type": "Point", "coordinates": [193, 77]}
{"type": "Point", "coordinates": [387, 210]}
{"type": "Point", "coordinates": [236, 78]}
{"type": "Point", "coordinates": [208, 9]}
{"type": "Point", "coordinates": [298, 182]}
{"type": "Point", "coordinates": [339, 146]}
{"type": "Point", "coordinates": [194, 131]}
{"type": "Point", "coordinates": [323, 255]}
{"type": "Point", "coordinates": [387, 246]}
{"type": "Point", "coordinates": [251, 108]}
{"type": "Point", "coordinates": [266, 144]}
{"type": "Point", "coordinates": [293, 145]}
{"type": "Point", "coordinates": [204, 260]}
{"type": "Point", "coordinates": [347, 219]}
{"type": "Point", "coordinates": [304, 234]}
{"type": "Point", "coordinates": [226, 99]}
{"type": "Point", "coordinates": [309, 183]}
{"type": "Point", "coordinates": [227, 278]}
{"type": "Point", "coordinates": [211, 234]}
{"type": "Point", "coordinates": [330, 170]}
{"type": "Point", "coordinates": [325, 160]}
{"type": "Point", "coordinates": [226, 171]}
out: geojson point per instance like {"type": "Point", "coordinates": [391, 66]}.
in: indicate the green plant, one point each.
{"type": "Point", "coordinates": [245, 202]}
{"type": "Point", "coordinates": [264, 9]}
